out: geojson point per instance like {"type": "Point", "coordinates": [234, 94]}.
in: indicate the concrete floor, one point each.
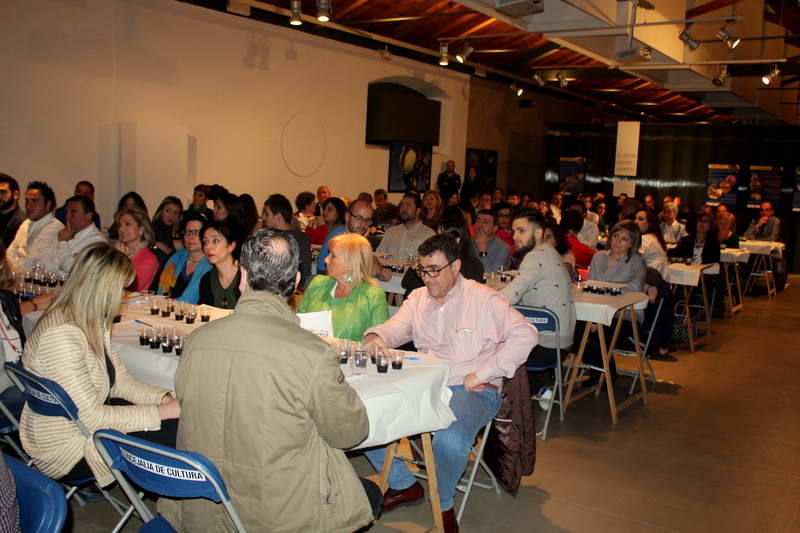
{"type": "Point", "coordinates": [715, 449]}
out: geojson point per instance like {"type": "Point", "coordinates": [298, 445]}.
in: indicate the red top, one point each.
{"type": "Point", "coordinates": [506, 237]}
{"type": "Point", "coordinates": [583, 254]}
{"type": "Point", "coordinates": [317, 235]}
{"type": "Point", "coordinates": [146, 264]}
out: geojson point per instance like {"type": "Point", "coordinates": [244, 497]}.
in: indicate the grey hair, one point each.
{"type": "Point", "coordinates": [271, 260]}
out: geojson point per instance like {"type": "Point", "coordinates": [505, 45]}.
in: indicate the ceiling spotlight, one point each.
{"type": "Point", "coordinates": [721, 75]}
{"type": "Point", "coordinates": [537, 77]}
{"type": "Point", "coordinates": [323, 10]}
{"type": "Point", "coordinates": [687, 38]}
{"type": "Point", "coordinates": [443, 59]}
{"type": "Point", "coordinates": [516, 89]}
{"type": "Point", "coordinates": [297, 13]}
{"type": "Point", "coordinates": [728, 37]}
{"type": "Point", "coordinates": [562, 81]}
{"type": "Point", "coordinates": [766, 79]}
{"type": "Point", "coordinates": [464, 54]}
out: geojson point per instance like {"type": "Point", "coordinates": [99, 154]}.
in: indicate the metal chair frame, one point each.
{"type": "Point", "coordinates": [645, 352]}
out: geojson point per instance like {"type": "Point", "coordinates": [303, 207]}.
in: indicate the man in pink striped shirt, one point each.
{"type": "Point", "coordinates": [481, 337]}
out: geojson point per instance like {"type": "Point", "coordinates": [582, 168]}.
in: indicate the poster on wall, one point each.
{"type": "Point", "coordinates": [410, 166]}
{"type": "Point", "coordinates": [571, 175]}
{"type": "Point", "coordinates": [721, 185]}
{"type": "Point", "coordinates": [484, 177]}
{"type": "Point", "coordinates": [796, 194]}
{"type": "Point", "coordinates": [764, 186]}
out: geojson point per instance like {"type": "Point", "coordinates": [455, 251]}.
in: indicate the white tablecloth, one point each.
{"type": "Point", "coordinates": [601, 308]}
{"type": "Point", "coordinates": [680, 274]}
{"type": "Point", "coordinates": [399, 403]}
{"type": "Point", "coordinates": [762, 247]}
{"type": "Point", "coordinates": [393, 286]}
{"type": "Point", "coordinates": [734, 255]}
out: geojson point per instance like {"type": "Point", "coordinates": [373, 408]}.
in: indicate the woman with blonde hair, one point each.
{"type": "Point", "coordinates": [432, 210]}
{"type": "Point", "coordinates": [353, 297]}
{"type": "Point", "coordinates": [71, 345]}
{"type": "Point", "coordinates": [136, 236]}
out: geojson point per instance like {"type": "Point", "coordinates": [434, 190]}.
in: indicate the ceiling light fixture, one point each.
{"type": "Point", "coordinates": [464, 54]}
{"type": "Point", "coordinates": [323, 10]}
{"type": "Point", "coordinates": [562, 81]}
{"type": "Point", "coordinates": [687, 38]}
{"type": "Point", "coordinates": [537, 77]}
{"type": "Point", "coordinates": [516, 89]}
{"type": "Point", "coordinates": [444, 60]}
{"type": "Point", "coordinates": [766, 79]}
{"type": "Point", "coordinates": [297, 13]}
{"type": "Point", "coordinates": [726, 36]}
{"type": "Point", "coordinates": [721, 75]}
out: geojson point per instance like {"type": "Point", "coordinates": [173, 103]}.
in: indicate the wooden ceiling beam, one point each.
{"type": "Point", "coordinates": [352, 7]}
{"type": "Point", "coordinates": [709, 7]}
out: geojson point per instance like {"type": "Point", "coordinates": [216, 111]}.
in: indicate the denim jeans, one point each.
{"type": "Point", "coordinates": [451, 446]}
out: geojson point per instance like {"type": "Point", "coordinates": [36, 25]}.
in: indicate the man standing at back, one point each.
{"type": "Point", "coordinates": [266, 402]}
{"type": "Point", "coordinates": [38, 235]}
{"type": "Point", "coordinates": [404, 239]}
{"type": "Point", "coordinates": [448, 181]}
{"type": "Point", "coordinates": [11, 216]}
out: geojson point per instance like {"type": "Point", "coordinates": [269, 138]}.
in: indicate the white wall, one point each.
{"type": "Point", "coordinates": [78, 73]}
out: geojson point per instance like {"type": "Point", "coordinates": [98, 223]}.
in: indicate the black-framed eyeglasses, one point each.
{"type": "Point", "coordinates": [367, 221]}
{"type": "Point", "coordinates": [431, 272]}
{"type": "Point", "coordinates": [191, 232]}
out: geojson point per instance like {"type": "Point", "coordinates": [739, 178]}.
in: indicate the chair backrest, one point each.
{"type": "Point", "coordinates": [44, 396]}
{"type": "Point", "coordinates": [541, 318]}
{"type": "Point", "coordinates": [42, 505]}
{"type": "Point", "coordinates": [160, 469]}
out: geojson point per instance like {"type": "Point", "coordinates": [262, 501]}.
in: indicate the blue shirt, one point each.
{"type": "Point", "coordinates": [325, 250]}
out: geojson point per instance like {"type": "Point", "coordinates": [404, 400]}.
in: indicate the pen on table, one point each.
{"type": "Point", "coordinates": [143, 323]}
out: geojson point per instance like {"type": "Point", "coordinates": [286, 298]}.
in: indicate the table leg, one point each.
{"type": "Point", "coordinates": [606, 375]}
{"type": "Point", "coordinates": [575, 364]}
{"type": "Point", "coordinates": [687, 294]}
{"type": "Point", "coordinates": [758, 264]}
{"type": "Point", "coordinates": [391, 450]}
{"type": "Point", "coordinates": [706, 309]}
{"type": "Point", "coordinates": [433, 484]}
{"type": "Point", "coordinates": [738, 278]}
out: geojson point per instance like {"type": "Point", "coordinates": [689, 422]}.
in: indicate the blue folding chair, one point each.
{"type": "Point", "coordinates": [546, 320]}
{"type": "Point", "coordinates": [42, 506]}
{"type": "Point", "coordinates": [47, 398]}
{"type": "Point", "coordinates": [164, 471]}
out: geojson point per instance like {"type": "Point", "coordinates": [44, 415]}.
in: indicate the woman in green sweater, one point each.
{"type": "Point", "coordinates": [353, 297]}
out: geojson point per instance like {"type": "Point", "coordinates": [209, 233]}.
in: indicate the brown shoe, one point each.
{"type": "Point", "coordinates": [413, 495]}
{"type": "Point", "coordinates": [450, 522]}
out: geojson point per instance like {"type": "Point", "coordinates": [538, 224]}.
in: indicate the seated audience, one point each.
{"type": "Point", "coordinates": [289, 377]}
{"type": "Point", "coordinates": [620, 263]}
{"type": "Point", "coordinates": [252, 220]}
{"type": "Point", "coordinates": [305, 204]}
{"type": "Point", "coordinates": [556, 237]}
{"type": "Point", "coordinates": [588, 232]}
{"type": "Point", "coordinates": [333, 214]}
{"type": "Point", "coordinates": [348, 291]}
{"type": "Point", "coordinates": [432, 208]}
{"type": "Point", "coordinates": [649, 202]}
{"type": "Point", "coordinates": [472, 185]}
{"type": "Point", "coordinates": [543, 281]}
{"type": "Point", "coordinates": [277, 216]}
{"type": "Point", "coordinates": [135, 238]}
{"type": "Point", "coordinates": [492, 252]}
{"type": "Point", "coordinates": [385, 211]}
{"type": "Point", "coordinates": [726, 224]}
{"type": "Point", "coordinates": [497, 196]}
{"type": "Point", "coordinates": [230, 208]}
{"type": "Point", "coordinates": [512, 199]}
{"type": "Point", "coordinates": [700, 245]}
{"type": "Point", "coordinates": [79, 233]}
{"type": "Point", "coordinates": [11, 216]}
{"type": "Point", "coordinates": [482, 339]}
{"type": "Point", "coordinates": [130, 200]}
{"type": "Point", "coordinates": [199, 201]}
{"type": "Point", "coordinates": [82, 188]}
{"type": "Point", "coordinates": [555, 206]}
{"type": "Point", "coordinates": [654, 249]}
{"type": "Point", "coordinates": [485, 201]}
{"type": "Point", "coordinates": [219, 287]}
{"type": "Point", "coordinates": [323, 193]}
{"type": "Point", "coordinates": [767, 227]}
{"type": "Point", "coordinates": [453, 225]}
{"type": "Point", "coordinates": [504, 231]}
{"type": "Point", "coordinates": [72, 347]}
{"type": "Point", "coordinates": [572, 221]}
{"type": "Point", "coordinates": [180, 278]}
{"type": "Point", "coordinates": [166, 225]}
{"type": "Point", "coordinates": [37, 236]}
{"type": "Point", "coordinates": [402, 241]}
{"type": "Point", "coordinates": [600, 210]}
{"type": "Point", "coordinates": [469, 213]}
{"type": "Point", "coordinates": [671, 229]}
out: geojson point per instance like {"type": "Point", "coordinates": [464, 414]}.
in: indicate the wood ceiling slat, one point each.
{"type": "Point", "coordinates": [709, 7]}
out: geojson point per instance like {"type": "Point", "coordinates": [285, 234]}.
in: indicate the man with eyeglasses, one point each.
{"type": "Point", "coordinates": [482, 339]}
{"type": "Point", "coordinates": [765, 228]}
{"type": "Point", "coordinates": [357, 219]}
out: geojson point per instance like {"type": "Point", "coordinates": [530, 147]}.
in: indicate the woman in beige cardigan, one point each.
{"type": "Point", "coordinates": [71, 345]}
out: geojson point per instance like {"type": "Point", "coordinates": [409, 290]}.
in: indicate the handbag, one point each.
{"type": "Point", "coordinates": [681, 331]}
